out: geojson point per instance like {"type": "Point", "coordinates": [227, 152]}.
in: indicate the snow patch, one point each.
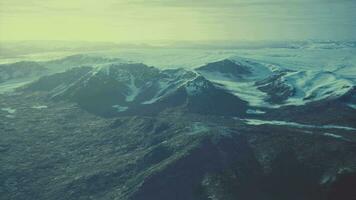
{"type": "Point", "coordinates": [39, 107]}
{"type": "Point", "coordinates": [9, 110]}
{"type": "Point", "coordinates": [327, 179]}
{"type": "Point", "coordinates": [333, 135]}
{"type": "Point", "coordinates": [198, 127]}
{"type": "Point", "coordinates": [120, 108]}
{"type": "Point", "coordinates": [257, 112]}
{"type": "Point", "coordinates": [133, 90]}
{"type": "Point", "coordinates": [195, 86]}
{"type": "Point", "coordinates": [10, 86]}
{"type": "Point", "coordinates": [163, 90]}
{"type": "Point", "coordinates": [352, 106]}
{"type": "Point", "coordinates": [245, 91]}
{"type": "Point", "coordinates": [257, 122]}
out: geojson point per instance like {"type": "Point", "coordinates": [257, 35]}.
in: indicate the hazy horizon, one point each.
{"type": "Point", "coordinates": [127, 21]}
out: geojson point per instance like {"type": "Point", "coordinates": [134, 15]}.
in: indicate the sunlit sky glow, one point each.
{"type": "Point", "coordinates": [148, 20]}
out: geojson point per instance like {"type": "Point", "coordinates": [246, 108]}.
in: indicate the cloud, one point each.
{"type": "Point", "coordinates": [179, 19]}
{"type": "Point", "coordinates": [230, 3]}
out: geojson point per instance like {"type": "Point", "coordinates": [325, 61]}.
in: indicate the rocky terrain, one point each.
{"type": "Point", "coordinates": [230, 129]}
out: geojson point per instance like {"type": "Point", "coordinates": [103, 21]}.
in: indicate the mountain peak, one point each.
{"type": "Point", "coordinates": [198, 85]}
{"type": "Point", "coordinates": [226, 67]}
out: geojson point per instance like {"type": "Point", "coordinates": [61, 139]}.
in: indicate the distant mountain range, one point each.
{"type": "Point", "coordinates": [20, 48]}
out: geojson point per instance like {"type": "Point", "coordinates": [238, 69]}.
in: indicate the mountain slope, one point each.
{"type": "Point", "coordinates": [128, 89]}
{"type": "Point", "coordinates": [228, 87]}
{"type": "Point", "coordinates": [134, 132]}
{"type": "Point", "coordinates": [21, 70]}
{"type": "Point", "coordinates": [264, 85]}
{"type": "Point", "coordinates": [64, 152]}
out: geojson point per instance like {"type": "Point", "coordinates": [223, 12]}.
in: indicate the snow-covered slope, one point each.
{"type": "Point", "coordinates": [246, 85]}
{"type": "Point", "coordinates": [267, 85]}
{"type": "Point", "coordinates": [239, 77]}
{"type": "Point", "coordinates": [315, 85]}
{"type": "Point", "coordinates": [116, 89]}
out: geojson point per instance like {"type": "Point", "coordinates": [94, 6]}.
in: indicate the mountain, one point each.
{"type": "Point", "coordinates": [21, 70]}
{"type": "Point", "coordinates": [57, 150]}
{"type": "Point", "coordinates": [230, 87]}
{"type": "Point", "coordinates": [274, 92]}
{"type": "Point", "coordinates": [265, 85]}
{"type": "Point", "coordinates": [231, 129]}
{"type": "Point", "coordinates": [15, 75]}
{"type": "Point", "coordinates": [128, 89]}
{"type": "Point", "coordinates": [79, 60]}
{"type": "Point", "coordinates": [261, 85]}
{"type": "Point", "coordinates": [227, 68]}
{"type": "Point", "coordinates": [301, 87]}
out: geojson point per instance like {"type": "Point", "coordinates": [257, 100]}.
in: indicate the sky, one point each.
{"type": "Point", "coordinates": [177, 20]}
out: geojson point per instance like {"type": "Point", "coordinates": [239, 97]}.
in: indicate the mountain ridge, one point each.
{"type": "Point", "coordinates": [125, 89]}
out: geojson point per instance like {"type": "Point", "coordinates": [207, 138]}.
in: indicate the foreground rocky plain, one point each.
{"type": "Point", "coordinates": [61, 148]}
